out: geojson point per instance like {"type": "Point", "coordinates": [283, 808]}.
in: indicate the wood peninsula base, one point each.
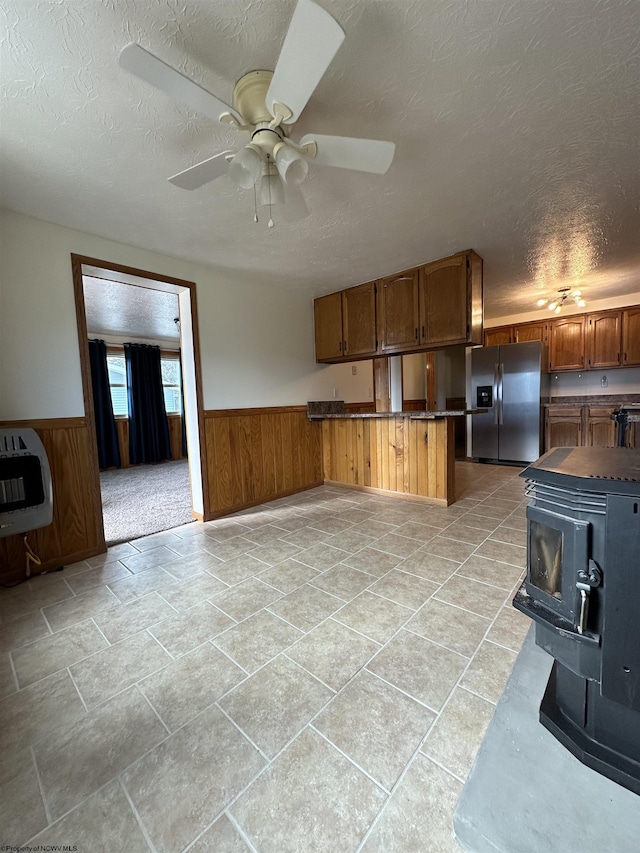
{"type": "Point", "coordinates": [405, 455]}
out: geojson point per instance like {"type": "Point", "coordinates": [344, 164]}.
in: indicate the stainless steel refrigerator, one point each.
{"type": "Point", "coordinates": [509, 382]}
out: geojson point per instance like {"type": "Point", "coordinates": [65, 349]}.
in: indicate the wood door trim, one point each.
{"type": "Point", "coordinates": [46, 423]}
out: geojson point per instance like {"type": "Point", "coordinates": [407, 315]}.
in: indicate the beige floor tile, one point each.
{"type": "Point", "coordinates": [179, 787]}
{"type": "Point", "coordinates": [195, 544]}
{"type": "Point", "coordinates": [374, 527]}
{"type": "Point", "coordinates": [512, 537]}
{"type": "Point", "coordinates": [246, 598]}
{"type": "Point", "coordinates": [306, 606]}
{"type": "Point", "coordinates": [510, 628]}
{"type": "Point", "coordinates": [451, 549]}
{"type": "Point", "coordinates": [56, 652]}
{"type": "Point", "coordinates": [126, 619]}
{"type": "Point", "coordinates": [399, 546]}
{"type": "Point", "coordinates": [343, 581]}
{"type": "Point", "coordinates": [419, 816]}
{"type": "Point", "coordinates": [115, 552]}
{"type": "Point", "coordinates": [294, 522]}
{"type": "Point", "coordinates": [22, 811]}
{"type": "Point", "coordinates": [222, 837]}
{"type": "Point", "coordinates": [489, 571]}
{"type": "Point", "coordinates": [225, 528]}
{"type": "Point", "coordinates": [81, 607]}
{"type": "Point", "coordinates": [458, 732]}
{"type": "Point", "coordinates": [514, 523]}
{"type": "Point", "coordinates": [349, 541]}
{"type": "Point", "coordinates": [195, 590]}
{"type": "Point", "coordinates": [416, 530]}
{"type": "Point", "coordinates": [321, 556]}
{"type": "Point", "coordinates": [141, 584]}
{"type": "Point", "coordinates": [264, 534]}
{"type": "Point", "coordinates": [191, 628]}
{"type": "Point", "coordinates": [376, 617]}
{"type": "Point", "coordinates": [31, 598]}
{"type": "Point", "coordinates": [275, 552]}
{"type": "Point", "coordinates": [429, 566]}
{"type": "Point", "coordinates": [19, 632]}
{"type": "Point", "coordinates": [305, 537]}
{"type": "Point", "coordinates": [257, 640]}
{"type": "Point", "coordinates": [103, 822]}
{"type": "Point", "coordinates": [273, 704]}
{"type": "Point", "coordinates": [464, 533]}
{"type": "Point", "coordinates": [332, 524]}
{"type": "Point", "coordinates": [184, 568]}
{"type": "Point", "coordinates": [449, 626]}
{"type": "Point", "coordinates": [355, 515]}
{"type": "Point", "coordinates": [375, 725]}
{"type": "Point", "coordinates": [100, 576]}
{"type": "Point", "coordinates": [187, 686]}
{"type": "Point", "coordinates": [154, 540]}
{"type": "Point", "coordinates": [489, 671]}
{"type": "Point", "coordinates": [419, 667]}
{"type": "Point", "coordinates": [472, 595]}
{"type": "Point", "coordinates": [162, 557]}
{"type": "Point", "coordinates": [8, 682]}
{"type": "Point", "coordinates": [372, 561]}
{"type": "Point", "coordinates": [480, 522]}
{"type": "Point", "coordinates": [311, 799]}
{"type": "Point", "coordinates": [407, 589]}
{"type": "Point", "coordinates": [230, 548]}
{"type": "Point", "coordinates": [512, 554]}
{"type": "Point", "coordinates": [288, 575]}
{"type": "Point", "coordinates": [237, 569]}
{"type": "Point", "coordinates": [37, 711]}
{"type": "Point", "coordinates": [113, 669]}
{"type": "Point", "coordinates": [78, 760]}
{"type": "Point", "coordinates": [489, 510]}
{"type": "Point", "coordinates": [333, 653]}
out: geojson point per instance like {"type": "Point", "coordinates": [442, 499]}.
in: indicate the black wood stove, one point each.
{"type": "Point", "coordinates": [583, 591]}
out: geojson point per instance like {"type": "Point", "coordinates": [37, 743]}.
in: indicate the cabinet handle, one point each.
{"type": "Point", "coordinates": [416, 333]}
{"type": "Point", "coordinates": [625, 358]}
{"type": "Point", "coordinates": [423, 331]}
{"type": "Point", "coordinates": [340, 346]}
{"type": "Point", "coordinates": [344, 347]}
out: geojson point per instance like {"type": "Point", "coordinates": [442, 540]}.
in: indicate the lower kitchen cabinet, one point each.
{"type": "Point", "coordinates": [581, 426]}
{"type": "Point", "coordinates": [563, 427]}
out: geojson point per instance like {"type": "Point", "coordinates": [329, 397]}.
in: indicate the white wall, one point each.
{"type": "Point", "coordinates": [256, 338]}
{"type": "Point", "coordinates": [624, 380]}
{"type": "Point", "coordinates": [414, 376]}
{"type": "Point", "coordinates": [450, 375]}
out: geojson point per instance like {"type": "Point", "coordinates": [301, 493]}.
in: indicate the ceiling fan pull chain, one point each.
{"type": "Point", "coordinates": [255, 204]}
{"type": "Point", "coordinates": [270, 222]}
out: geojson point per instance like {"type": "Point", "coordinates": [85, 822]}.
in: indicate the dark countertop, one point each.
{"type": "Point", "coordinates": [414, 416]}
{"type": "Point", "coordinates": [592, 400]}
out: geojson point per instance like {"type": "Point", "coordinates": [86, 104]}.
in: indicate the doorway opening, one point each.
{"type": "Point", "coordinates": [138, 331]}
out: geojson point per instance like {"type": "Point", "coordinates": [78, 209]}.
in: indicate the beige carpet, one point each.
{"type": "Point", "coordinates": [145, 499]}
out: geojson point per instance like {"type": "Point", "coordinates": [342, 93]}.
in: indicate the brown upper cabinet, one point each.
{"type": "Point", "coordinates": [498, 337]}
{"type": "Point", "coordinates": [398, 311]}
{"type": "Point", "coordinates": [604, 336]}
{"type": "Point", "coordinates": [345, 324]}
{"type": "Point", "coordinates": [631, 336]}
{"type": "Point", "coordinates": [424, 308]}
{"type": "Point", "coordinates": [538, 331]}
{"type": "Point", "coordinates": [566, 348]}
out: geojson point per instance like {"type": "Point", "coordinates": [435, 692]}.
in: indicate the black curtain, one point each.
{"type": "Point", "coordinates": [148, 425]}
{"type": "Point", "coordinates": [108, 450]}
{"type": "Point", "coordinates": [184, 421]}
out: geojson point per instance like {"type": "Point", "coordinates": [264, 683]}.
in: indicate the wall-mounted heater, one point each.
{"type": "Point", "coordinates": [26, 495]}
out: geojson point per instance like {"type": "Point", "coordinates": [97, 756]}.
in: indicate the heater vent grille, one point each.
{"type": "Point", "coordinates": [568, 499]}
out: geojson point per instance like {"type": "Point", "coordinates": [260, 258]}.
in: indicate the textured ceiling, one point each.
{"type": "Point", "coordinates": [114, 308]}
{"type": "Point", "coordinates": [516, 126]}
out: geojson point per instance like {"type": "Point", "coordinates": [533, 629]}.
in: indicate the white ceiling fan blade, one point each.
{"type": "Point", "coordinates": [347, 152]}
{"type": "Point", "coordinates": [311, 43]}
{"type": "Point", "coordinates": [149, 68]}
{"type": "Point", "coordinates": [295, 207]}
{"type": "Point", "coordinates": [202, 173]}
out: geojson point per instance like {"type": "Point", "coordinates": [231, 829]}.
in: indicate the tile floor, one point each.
{"type": "Point", "coordinates": [314, 674]}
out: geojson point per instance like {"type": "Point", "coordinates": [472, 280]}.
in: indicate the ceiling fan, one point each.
{"type": "Point", "coordinates": [266, 104]}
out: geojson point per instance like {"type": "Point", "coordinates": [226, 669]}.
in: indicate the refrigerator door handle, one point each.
{"type": "Point", "coordinates": [500, 380]}
{"type": "Point", "coordinates": [496, 387]}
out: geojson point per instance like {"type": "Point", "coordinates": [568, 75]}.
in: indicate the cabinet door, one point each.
{"type": "Point", "coordinates": [359, 320]}
{"type": "Point", "coordinates": [567, 344]}
{"type": "Point", "coordinates": [603, 339]}
{"type": "Point", "coordinates": [601, 430]}
{"type": "Point", "coordinates": [631, 336]}
{"type": "Point", "coordinates": [563, 428]}
{"type": "Point", "coordinates": [445, 301]}
{"type": "Point", "coordinates": [327, 313]}
{"type": "Point", "coordinates": [531, 332]}
{"type": "Point", "coordinates": [497, 337]}
{"type": "Point", "coordinates": [398, 312]}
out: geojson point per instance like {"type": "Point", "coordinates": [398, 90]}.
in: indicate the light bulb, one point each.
{"type": "Point", "coordinates": [581, 303]}
{"type": "Point", "coordinates": [541, 302]}
{"type": "Point", "coordinates": [246, 167]}
{"type": "Point", "coordinates": [556, 310]}
{"type": "Point", "coordinates": [271, 191]}
{"type": "Point", "coordinates": [552, 306]}
{"type": "Point", "coordinates": [576, 293]}
{"type": "Point", "coordinates": [292, 167]}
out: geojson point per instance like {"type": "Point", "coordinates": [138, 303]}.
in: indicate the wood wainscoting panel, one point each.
{"type": "Point", "coordinates": [76, 530]}
{"type": "Point", "coordinates": [396, 455]}
{"type": "Point", "coordinates": [257, 455]}
{"type": "Point", "coordinates": [175, 438]}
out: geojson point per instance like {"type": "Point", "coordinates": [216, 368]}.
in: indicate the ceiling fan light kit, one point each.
{"type": "Point", "coordinates": [266, 104]}
{"type": "Point", "coordinates": [555, 303]}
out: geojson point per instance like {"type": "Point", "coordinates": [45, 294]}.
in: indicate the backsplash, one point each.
{"type": "Point", "coordinates": [573, 383]}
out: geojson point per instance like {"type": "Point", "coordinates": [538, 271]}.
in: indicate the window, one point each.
{"type": "Point", "coordinates": [171, 382]}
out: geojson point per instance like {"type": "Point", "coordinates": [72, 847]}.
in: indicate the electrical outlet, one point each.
{"type": "Point", "coordinates": [604, 382]}
{"type": "Point", "coordinates": [354, 369]}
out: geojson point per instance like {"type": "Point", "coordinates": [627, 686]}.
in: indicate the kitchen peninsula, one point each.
{"type": "Point", "coordinates": [404, 454]}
